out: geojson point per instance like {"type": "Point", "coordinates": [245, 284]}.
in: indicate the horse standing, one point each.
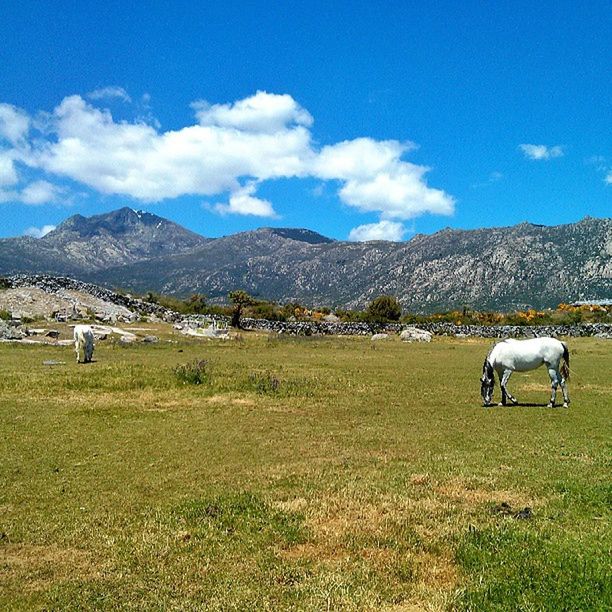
{"type": "Point", "coordinates": [83, 341]}
{"type": "Point", "coordinates": [521, 356]}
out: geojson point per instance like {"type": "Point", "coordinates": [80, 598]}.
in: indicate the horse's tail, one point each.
{"type": "Point", "coordinates": [565, 371]}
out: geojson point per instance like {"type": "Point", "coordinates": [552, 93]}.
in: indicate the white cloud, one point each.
{"type": "Point", "coordinates": [105, 93]}
{"type": "Point", "coordinates": [40, 192]}
{"type": "Point", "coordinates": [242, 202]}
{"type": "Point", "coordinates": [263, 112]}
{"type": "Point", "coordinates": [376, 179]}
{"type": "Point", "coordinates": [8, 173]}
{"type": "Point", "coordinates": [539, 152]}
{"type": "Point", "coordinates": [14, 123]}
{"type": "Point", "coordinates": [384, 230]}
{"type": "Point", "coordinates": [39, 232]}
{"type": "Point", "coordinates": [135, 160]}
{"type": "Point", "coordinates": [263, 137]}
{"type": "Point", "coordinates": [34, 194]}
{"type": "Point", "coordinates": [600, 163]}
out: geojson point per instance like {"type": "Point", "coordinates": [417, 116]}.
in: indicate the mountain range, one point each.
{"type": "Point", "coordinates": [506, 268]}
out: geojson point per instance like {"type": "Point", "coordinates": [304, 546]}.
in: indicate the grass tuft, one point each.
{"type": "Point", "coordinates": [196, 372]}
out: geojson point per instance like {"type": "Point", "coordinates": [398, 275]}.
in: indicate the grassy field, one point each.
{"type": "Point", "coordinates": [306, 474]}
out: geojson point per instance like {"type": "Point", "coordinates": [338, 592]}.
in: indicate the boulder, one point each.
{"type": "Point", "coordinates": [9, 332]}
{"type": "Point", "coordinates": [377, 337]}
{"type": "Point", "coordinates": [413, 334]}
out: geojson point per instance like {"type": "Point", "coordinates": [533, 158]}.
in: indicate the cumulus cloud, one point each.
{"type": "Point", "coordinates": [39, 232]}
{"type": "Point", "coordinates": [608, 178]}
{"type": "Point", "coordinates": [8, 173]}
{"type": "Point", "coordinates": [14, 123]}
{"type": "Point", "coordinates": [34, 194]}
{"type": "Point", "coordinates": [541, 152]}
{"type": "Point", "coordinates": [243, 202]}
{"type": "Point", "coordinates": [263, 112]}
{"type": "Point", "coordinates": [229, 150]}
{"type": "Point", "coordinates": [376, 179]}
{"type": "Point", "coordinates": [40, 192]}
{"type": "Point", "coordinates": [106, 93]}
{"type": "Point", "coordinates": [384, 230]}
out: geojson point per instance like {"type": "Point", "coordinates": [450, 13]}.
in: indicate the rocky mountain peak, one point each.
{"type": "Point", "coordinates": [118, 222]}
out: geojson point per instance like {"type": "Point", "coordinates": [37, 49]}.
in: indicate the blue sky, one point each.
{"type": "Point", "coordinates": [358, 120]}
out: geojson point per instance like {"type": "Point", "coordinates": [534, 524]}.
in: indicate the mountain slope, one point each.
{"type": "Point", "coordinates": [500, 268]}
{"type": "Point", "coordinates": [82, 244]}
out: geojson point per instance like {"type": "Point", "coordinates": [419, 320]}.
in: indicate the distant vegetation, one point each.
{"type": "Point", "coordinates": [382, 309]}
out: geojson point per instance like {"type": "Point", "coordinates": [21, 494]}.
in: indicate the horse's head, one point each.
{"type": "Point", "coordinates": [487, 382]}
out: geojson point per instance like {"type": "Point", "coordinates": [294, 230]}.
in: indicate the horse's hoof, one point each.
{"type": "Point", "coordinates": [566, 404]}
{"type": "Point", "coordinates": [550, 405]}
{"type": "Point", "coordinates": [501, 404]}
{"type": "Point", "coordinates": [514, 401]}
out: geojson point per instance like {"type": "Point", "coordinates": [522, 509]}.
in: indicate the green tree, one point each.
{"type": "Point", "coordinates": [196, 304]}
{"type": "Point", "coordinates": [239, 299]}
{"type": "Point", "coordinates": [383, 309]}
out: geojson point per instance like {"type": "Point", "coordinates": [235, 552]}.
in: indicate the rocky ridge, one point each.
{"type": "Point", "coordinates": [510, 268]}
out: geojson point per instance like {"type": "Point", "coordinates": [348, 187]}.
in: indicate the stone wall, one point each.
{"type": "Point", "coordinates": [55, 284]}
{"type": "Point", "coordinates": [304, 328]}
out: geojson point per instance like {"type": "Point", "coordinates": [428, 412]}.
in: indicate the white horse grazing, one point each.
{"type": "Point", "coordinates": [83, 341]}
{"type": "Point", "coordinates": [520, 356]}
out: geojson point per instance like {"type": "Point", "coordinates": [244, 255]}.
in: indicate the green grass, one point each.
{"type": "Point", "coordinates": [304, 474]}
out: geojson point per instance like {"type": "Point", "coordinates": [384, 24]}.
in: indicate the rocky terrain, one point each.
{"type": "Point", "coordinates": [40, 297]}
{"type": "Point", "coordinates": [27, 296]}
{"type": "Point", "coordinates": [488, 269]}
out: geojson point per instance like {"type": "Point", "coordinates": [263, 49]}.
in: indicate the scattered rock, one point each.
{"type": "Point", "coordinates": [414, 334]}
{"type": "Point", "coordinates": [9, 332]}
{"type": "Point", "coordinates": [377, 337]}
{"type": "Point", "coordinates": [150, 339]}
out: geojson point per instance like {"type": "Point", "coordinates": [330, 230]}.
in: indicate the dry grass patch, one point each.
{"type": "Point", "coordinates": [36, 568]}
{"type": "Point", "coordinates": [461, 492]}
{"type": "Point", "coordinates": [383, 537]}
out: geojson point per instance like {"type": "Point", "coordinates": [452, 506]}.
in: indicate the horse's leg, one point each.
{"type": "Point", "coordinates": [504, 389]}
{"type": "Point", "coordinates": [554, 380]}
{"type": "Point", "coordinates": [566, 399]}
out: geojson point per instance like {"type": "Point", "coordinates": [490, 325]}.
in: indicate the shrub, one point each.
{"type": "Point", "coordinates": [384, 308]}
{"type": "Point", "coordinates": [5, 315]}
{"type": "Point", "coordinates": [195, 373]}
